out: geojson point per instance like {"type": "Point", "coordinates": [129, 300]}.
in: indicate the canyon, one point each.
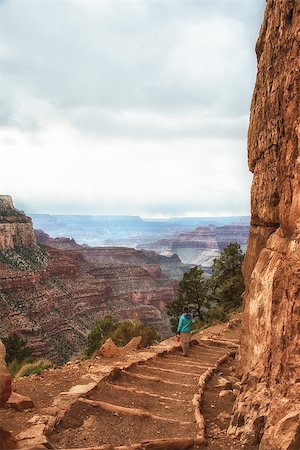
{"type": "Point", "coordinates": [201, 245]}
{"type": "Point", "coordinates": [53, 296]}
{"type": "Point", "coordinates": [267, 410]}
{"type": "Point", "coordinates": [125, 231]}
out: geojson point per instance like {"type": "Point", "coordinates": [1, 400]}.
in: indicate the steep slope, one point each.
{"type": "Point", "coordinates": [150, 395]}
{"type": "Point", "coordinates": [53, 297]}
{"type": "Point", "coordinates": [171, 266]}
{"type": "Point", "coordinates": [268, 408]}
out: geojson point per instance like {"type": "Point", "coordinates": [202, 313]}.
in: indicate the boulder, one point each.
{"type": "Point", "coordinates": [19, 402]}
{"type": "Point", "coordinates": [110, 350]}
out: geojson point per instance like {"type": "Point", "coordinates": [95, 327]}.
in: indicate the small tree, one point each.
{"type": "Point", "coordinates": [102, 330]}
{"type": "Point", "coordinates": [16, 349]}
{"type": "Point", "coordinates": [226, 282]}
{"type": "Point", "coordinates": [192, 292]}
{"type": "Point", "coordinates": [127, 330]}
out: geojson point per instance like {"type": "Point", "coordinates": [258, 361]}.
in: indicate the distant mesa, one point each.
{"type": "Point", "coordinates": [202, 245]}
{"type": "Point", "coordinates": [125, 231]}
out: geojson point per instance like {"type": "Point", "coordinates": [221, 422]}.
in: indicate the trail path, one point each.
{"type": "Point", "coordinates": [147, 400]}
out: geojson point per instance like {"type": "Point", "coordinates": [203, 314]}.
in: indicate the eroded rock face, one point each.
{"type": "Point", "coordinates": [267, 410]}
{"type": "Point", "coordinates": [5, 380]}
{"type": "Point", "coordinates": [202, 245]}
{"type": "Point", "coordinates": [15, 228]}
{"type": "Point", "coordinates": [6, 440]}
{"type": "Point", "coordinates": [53, 296]}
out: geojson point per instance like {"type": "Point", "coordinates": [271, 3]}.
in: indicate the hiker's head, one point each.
{"type": "Point", "coordinates": [185, 309]}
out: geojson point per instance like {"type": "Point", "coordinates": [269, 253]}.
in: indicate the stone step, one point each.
{"type": "Point", "coordinates": [165, 407]}
{"type": "Point", "coordinates": [115, 428]}
{"type": "Point", "coordinates": [166, 375]}
{"type": "Point", "coordinates": [178, 365]}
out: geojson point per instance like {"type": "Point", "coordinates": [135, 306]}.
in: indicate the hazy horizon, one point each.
{"type": "Point", "coordinates": [136, 108]}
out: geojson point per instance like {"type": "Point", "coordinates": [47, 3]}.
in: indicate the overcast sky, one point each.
{"type": "Point", "coordinates": [127, 107]}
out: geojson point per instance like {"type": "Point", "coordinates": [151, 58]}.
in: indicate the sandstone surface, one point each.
{"type": "Point", "coordinates": [110, 350]}
{"type": "Point", "coordinates": [19, 402]}
{"type": "Point", "coordinates": [6, 440]}
{"type": "Point", "coordinates": [5, 380]}
{"type": "Point", "coordinates": [268, 407]}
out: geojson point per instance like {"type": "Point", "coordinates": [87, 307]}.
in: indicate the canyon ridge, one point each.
{"type": "Point", "coordinates": [53, 294]}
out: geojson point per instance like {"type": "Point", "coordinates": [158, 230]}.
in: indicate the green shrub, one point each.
{"type": "Point", "coordinates": [33, 368]}
{"type": "Point", "coordinates": [120, 332]}
{"type": "Point", "coordinates": [102, 330]}
{"type": "Point", "coordinates": [13, 367]}
{"type": "Point", "coordinates": [33, 257]}
{"type": "Point", "coordinates": [16, 349]}
{"type": "Point", "coordinates": [217, 314]}
{"type": "Point", "coordinates": [129, 329]}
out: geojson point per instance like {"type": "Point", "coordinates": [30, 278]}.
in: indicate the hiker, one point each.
{"type": "Point", "coordinates": [184, 329]}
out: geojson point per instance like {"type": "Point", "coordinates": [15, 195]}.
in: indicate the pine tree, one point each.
{"type": "Point", "coordinates": [226, 282]}
{"type": "Point", "coordinates": [192, 292]}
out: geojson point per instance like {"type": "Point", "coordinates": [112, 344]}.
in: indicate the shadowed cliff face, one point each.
{"type": "Point", "coordinates": [268, 408]}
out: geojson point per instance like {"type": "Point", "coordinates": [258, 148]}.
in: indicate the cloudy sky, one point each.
{"type": "Point", "coordinates": [127, 107]}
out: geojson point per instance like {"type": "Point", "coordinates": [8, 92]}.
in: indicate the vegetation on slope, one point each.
{"type": "Point", "coordinates": [211, 299]}
{"type": "Point", "coordinates": [19, 358]}
{"type": "Point", "coordinates": [32, 257]}
{"type": "Point", "coordinates": [120, 332]}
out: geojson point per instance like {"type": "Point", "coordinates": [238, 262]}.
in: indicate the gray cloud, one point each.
{"type": "Point", "coordinates": [160, 57]}
{"type": "Point", "coordinates": [141, 97]}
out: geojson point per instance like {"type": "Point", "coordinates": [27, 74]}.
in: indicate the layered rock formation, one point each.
{"type": "Point", "coordinates": [203, 244]}
{"type": "Point", "coordinates": [268, 408]}
{"type": "Point", "coordinates": [52, 297]}
{"type": "Point", "coordinates": [15, 228]}
{"type": "Point", "coordinates": [155, 264]}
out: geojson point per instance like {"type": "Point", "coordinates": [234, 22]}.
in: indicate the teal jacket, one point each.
{"type": "Point", "coordinates": [185, 322]}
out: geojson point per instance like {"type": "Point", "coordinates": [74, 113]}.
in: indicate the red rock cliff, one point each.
{"type": "Point", "coordinates": [15, 228]}
{"type": "Point", "coordinates": [267, 410]}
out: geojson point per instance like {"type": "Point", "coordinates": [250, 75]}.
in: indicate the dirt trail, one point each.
{"type": "Point", "coordinates": [153, 399]}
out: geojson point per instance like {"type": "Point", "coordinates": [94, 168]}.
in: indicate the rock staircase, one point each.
{"type": "Point", "coordinates": [147, 400]}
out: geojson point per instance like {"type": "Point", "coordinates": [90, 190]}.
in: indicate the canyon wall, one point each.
{"type": "Point", "coordinates": [53, 296]}
{"type": "Point", "coordinates": [202, 245]}
{"type": "Point", "coordinates": [156, 264]}
{"type": "Point", "coordinates": [267, 411]}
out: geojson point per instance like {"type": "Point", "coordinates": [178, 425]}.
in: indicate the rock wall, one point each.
{"type": "Point", "coordinates": [52, 295]}
{"type": "Point", "coordinates": [268, 408]}
{"type": "Point", "coordinates": [5, 380]}
{"type": "Point", "coordinates": [55, 308]}
{"type": "Point", "coordinates": [6, 440]}
{"type": "Point", "coordinates": [156, 265]}
{"type": "Point", "coordinates": [15, 227]}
